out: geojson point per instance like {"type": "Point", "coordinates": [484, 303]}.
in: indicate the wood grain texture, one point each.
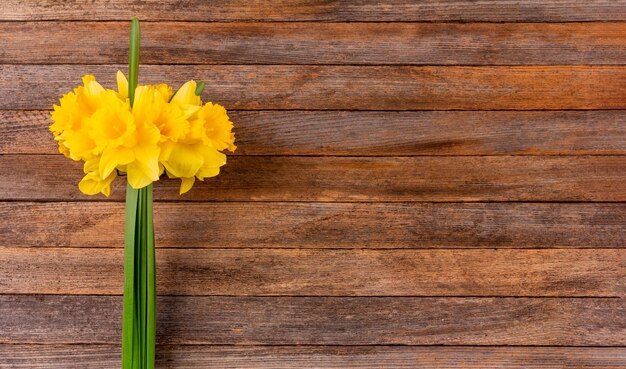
{"type": "Point", "coordinates": [257, 178]}
{"type": "Point", "coordinates": [323, 320]}
{"type": "Point", "coordinates": [322, 225]}
{"type": "Point", "coordinates": [381, 133]}
{"type": "Point", "coordinates": [307, 10]}
{"type": "Point", "coordinates": [317, 43]}
{"type": "Point", "coordinates": [321, 357]}
{"type": "Point", "coordinates": [263, 87]}
{"type": "Point", "coordinates": [598, 273]}
{"type": "Point", "coordinates": [434, 184]}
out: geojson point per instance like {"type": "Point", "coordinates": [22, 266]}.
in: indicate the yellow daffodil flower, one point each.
{"type": "Point", "coordinates": [164, 131]}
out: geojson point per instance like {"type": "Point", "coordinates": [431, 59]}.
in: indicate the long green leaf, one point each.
{"type": "Point", "coordinates": [139, 320]}
{"type": "Point", "coordinates": [151, 282]}
{"type": "Point", "coordinates": [133, 59]}
{"type": "Point", "coordinates": [128, 320]}
{"type": "Point", "coordinates": [130, 340]}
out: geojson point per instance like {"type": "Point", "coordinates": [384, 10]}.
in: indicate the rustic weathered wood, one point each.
{"type": "Point", "coordinates": [342, 10]}
{"type": "Point", "coordinates": [277, 178]}
{"type": "Point", "coordinates": [326, 357]}
{"type": "Point", "coordinates": [317, 43]}
{"type": "Point", "coordinates": [322, 225]}
{"type": "Point", "coordinates": [324, 320]}
{"type": "Point", "coordinates": [258, 87]}
{"type": "Point", "coordinates": [383, 133]}
{"type": "Point", "coordinates": [599, 273]}
{"type": "Point", "coordinates": [336, 237]}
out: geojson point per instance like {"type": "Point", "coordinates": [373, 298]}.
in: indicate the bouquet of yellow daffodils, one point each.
{"type": "Point", "coordinates": [142, 132]}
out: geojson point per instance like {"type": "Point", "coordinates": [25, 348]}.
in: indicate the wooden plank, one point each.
{"type": "Point", "coordinates": [317, 43]}
{"type": "Point", "coordinates": [589, 272]}
{"type": "Point", "coordinates": [276, 178]}
{"type": "Point", "coordinates": [379, 133]}
{"type": "Point", "coordinates": [328, 357]}
{"type": "Point", "coordinates": [258, 87]}
{"type": "Point", "coordinates": [307, 10]}
{"type": "Point", "coordinates": [324, 320]}
{"type": "Point", "coordinates": [322, 225]}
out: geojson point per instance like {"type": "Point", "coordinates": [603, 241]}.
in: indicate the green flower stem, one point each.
{"type": "Point", "coordinates": [139, 316]}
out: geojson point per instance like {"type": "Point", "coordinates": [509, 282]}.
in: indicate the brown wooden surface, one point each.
{"type": "Point", "coordinates": [324, 272]}
{"type": "Point", "coordinates": [433, 184]}
{"type": "Point", "coordinates": [318, 43]}
{"type": "Point", "coordinates": [305, 10]}
{"type": "Point", "coordinates": [321, 225]}
{"type": "Point", "coordinates": [323, 357]}
{"type": "Point", "coordinates": [324, 320]}
{"type": "Point", "coordinates": [259, 87]}
{"type": "Point", "coordinates": [289, 178]}
{"type": "Point", "coordinates": [383, 133]}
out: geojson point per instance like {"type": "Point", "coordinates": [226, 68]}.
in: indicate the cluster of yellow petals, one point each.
{"type": "Point", "coordinates": [162, 132]}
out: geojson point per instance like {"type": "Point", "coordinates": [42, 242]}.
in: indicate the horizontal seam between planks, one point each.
{"type": "Point", "coordinates": [297, 345]}
{"type": "Point", "coordinates": [208, 201]}
{"type": "Point", "coordinates": [260, 110]}
{"type": "Point", "coordinates": [377, 111]}
{"type": "Point", "coordinates": [477, 66]}
{"type": "Point", "coordinates": [279, 202]}
{"type": "Point", "coordinates": [308, 296]}
{"type": "Point", "coordinates": [192, 344]}
{"type": "Point", "coordinates": [304, 345]}
{"type": "Point", "coordinates": [312, 20]}
{"type": "Point", "coordinates": [322, 248]}
{"type": "Point", "coordinates": [273, 22]}
{"type": "Point", "coordinates": [388, 110]}
{"type": "Point", "coordinates": [358, 156]}
{"type": "Point", "coordinates": [573, 155]}
{"type": "Point", "coordinates": [343, 65]}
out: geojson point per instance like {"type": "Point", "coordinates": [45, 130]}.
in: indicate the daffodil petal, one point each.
{"type": "Point", "coordinates": [184, 161]}
{"type": "Point", "coordinates": [111, 158]}
{"type": "Point", "coordinates": [186, 184]}
{"type": "Point", "coordinates": [142, 173]}
{"type": "Point", "coordinates": [92, 184]}
{"type": "Point", "coordinates": [136, 177]}
{"type": "Point", "coordinates": [89, 185]}
{"type": "Point", "coordinates": [164, 90]}
{"type": "Point", "coordinates": [94, 88]}
{"type": "Point", "coordinates": [88, 78]}
{"type": "Point", "coordinates": [186, 94]}
{"type": "Point", "coordinates": [91, 165]}
{"type": "Point", "coordinates": [122, 85]}
{"type": "Point", "coordinates": [207, 172]}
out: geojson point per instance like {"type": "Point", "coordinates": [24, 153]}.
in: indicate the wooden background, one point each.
{"type": "Point", "coordinates": [433, 184]}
